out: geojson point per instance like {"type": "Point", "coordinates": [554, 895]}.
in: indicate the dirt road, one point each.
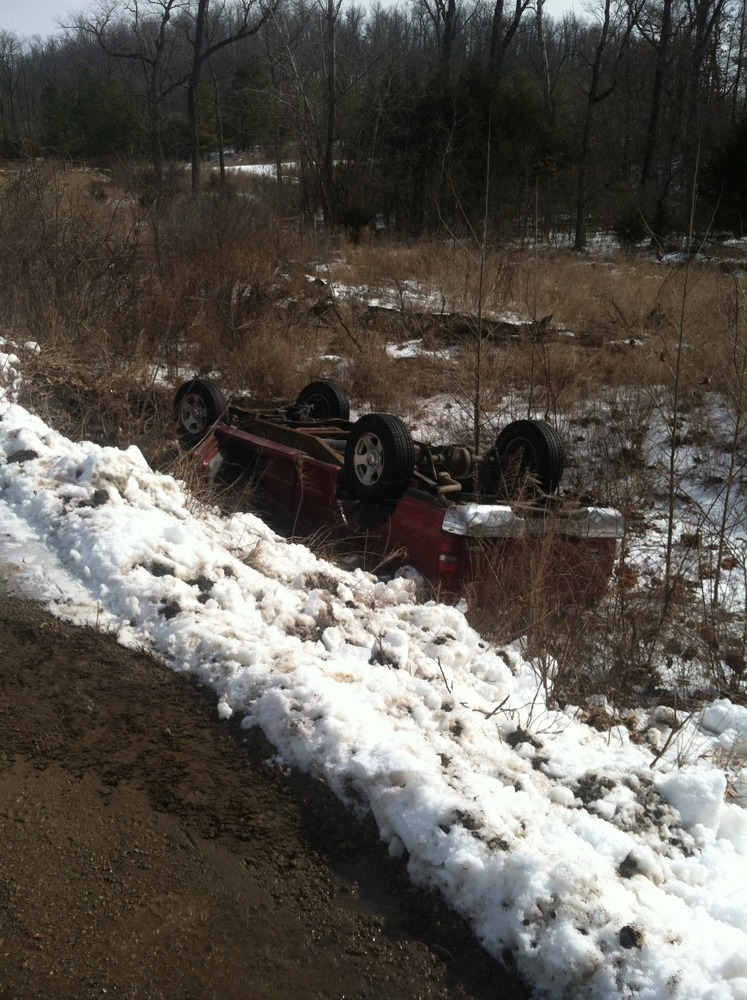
{"type": "Point", "coordinates": [149, 850]}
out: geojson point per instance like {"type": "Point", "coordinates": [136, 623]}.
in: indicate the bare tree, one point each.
{"type": "Point", "coordinates": [503, 30]}
{"type": "Point", "coordinates": [547, 90]}
{"type": "Point", "coordinates": [330, 15]}
{"type": "Point", "coordinates": [208, 32]}
{"type": "Point", "coordinates": [140, 32]}
{"type": "Point", "coordinates": [690, 64]}
{"type": "Point", "coordinates": [276, 41]}
{"type": "Point", "coordinates": [613, 35]}
{"type": "Point", "coordinates": [293, 74]}
{"type": "Point", "coordinates": [150, 33]}
{"type": "Point", "coordinates": [704, 19]}
{"type": "Point", "coordinates": [11, 69]}
{"type": "Point", "coordinates": [445, 19]}
{"type": "Point", "coordinates": [739, 89]}
{"type": "Point", "coordinates": [655, 24]}
{"type": "Point", "coordinates": [735, 62]}
{"type": "Point", "coordinates": [319, 57]}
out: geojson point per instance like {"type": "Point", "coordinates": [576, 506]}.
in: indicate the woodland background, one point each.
{"type": "Point", "coordinates": [481, 116]}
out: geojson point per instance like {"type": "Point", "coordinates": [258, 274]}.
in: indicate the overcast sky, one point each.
{"type": "Point", "coordinates": [40, 17]}
{"type": "Point", "coordinates": [36, 17]}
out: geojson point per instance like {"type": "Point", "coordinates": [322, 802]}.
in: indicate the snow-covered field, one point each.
{"type": "Point", "coordinates": [607, 871]}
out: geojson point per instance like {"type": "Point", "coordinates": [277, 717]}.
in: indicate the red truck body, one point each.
{"type": "Point", "coordinates": [566, 548]}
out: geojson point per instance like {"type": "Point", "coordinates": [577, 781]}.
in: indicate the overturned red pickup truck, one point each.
{"type": "Point", "coordinates": [495, 524]}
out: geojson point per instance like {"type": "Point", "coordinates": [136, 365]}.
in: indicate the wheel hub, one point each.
{"type": "Point", "coordinates": [370, 459]}
{"type": "Point", "coordinates": [193, 414]}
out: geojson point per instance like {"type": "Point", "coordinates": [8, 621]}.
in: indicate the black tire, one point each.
{"type": "Point", "coordinates": [527, 460]}
{"type": "Point", "coordinates": [326, 400]}
{"type": "Point", "coordinates": [379, 458]}
{"type": "Point", "coordinates": [198, 405]}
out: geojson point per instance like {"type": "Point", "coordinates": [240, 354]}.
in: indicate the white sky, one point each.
{"type": "Point", "coordinates": [36, 17]}
{"type": "Point", "coordinates": [41, 17]}
{"type": "Point", "coordinates": [610, 868]}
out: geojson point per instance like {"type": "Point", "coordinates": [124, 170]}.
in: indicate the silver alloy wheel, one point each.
{"type": "Point", "coordinates": [368, 460]}
{"type": "Point", "coordinates": [379, 458]}
{"type": "Point", "coordinates": [193, 415]}
{"type": "Point", "coordinates": [198, 405]}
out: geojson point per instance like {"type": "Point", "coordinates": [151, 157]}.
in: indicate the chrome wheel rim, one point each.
{"type": "Point", "coordinates": [368, 461]}
{"type": "Point", "coordinates": [193, 414]}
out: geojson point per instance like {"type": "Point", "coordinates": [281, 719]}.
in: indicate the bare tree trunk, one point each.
{"type": "Point", "coordinates": [736, 110]}
{"type": "Point", "coordinates": [329, 195]}
{"type": "Point", "coordinates": [192, 83]}
{"type": "Point", "coordinates": [202, 49]}
{"type": "Point", "coordinates": [150, 51]}
{"type": "Point", "coordinates": [502, 35]}
{"type": "Point", "coordinates": [11, 67]}
{"type": "Point", "coordinates": [444, 17]}
{"type": "Point", "coordinates": [450, 17]}
{"type": "Point", "coordinates": [219, 119]}
{"type": "Point", "coordinates": [542, 43]}
{"type": "Point", "coordinates": [273, 63]}
{"type": "Point", "coordinates": [595, 96]}
{"type": "Point", "coordinates": [657, 95]}
{"type": "Point", "coordinates": [579, 241]}
{"type": "Point", "coordinates": [705, 16]}
{"type": "Point", "coordinates": [592, 99]}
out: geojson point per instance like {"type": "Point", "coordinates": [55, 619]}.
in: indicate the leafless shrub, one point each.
{"type": "Point", "coordinates": [109, 408]}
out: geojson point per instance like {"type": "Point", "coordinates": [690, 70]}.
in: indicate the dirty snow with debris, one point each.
{"type": "Point", "coordinates": [604, 872]}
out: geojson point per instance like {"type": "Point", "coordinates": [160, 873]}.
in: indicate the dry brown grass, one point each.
{"type": "Point", "coordinates": [109, 408]}
{"type": "Point", "coordinates": [222, 283]}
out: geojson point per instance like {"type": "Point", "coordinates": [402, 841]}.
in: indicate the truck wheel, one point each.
{"type": "Point", "coordinates": [198, 405]}
{"type": "Point", "coordinates": [326, 400]}
{"type": "Point", "coordinates": [528, 460]}
{"type": "Point", "coordinates": [379, 458]}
